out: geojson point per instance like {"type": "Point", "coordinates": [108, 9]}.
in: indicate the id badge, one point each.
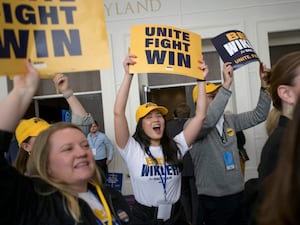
{"type": "Point", "coordinates": [94, 151]}
{"type": "Point", "coordinates": [228, 160]}
{"type": "Point", "coordinates": [164, 211]}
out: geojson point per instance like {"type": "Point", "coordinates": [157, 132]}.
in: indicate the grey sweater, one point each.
{"type": "Point", "coordinates": [212, 178]}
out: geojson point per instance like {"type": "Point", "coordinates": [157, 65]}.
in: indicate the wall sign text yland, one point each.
{"type": "Point", "coordinates": [121, 7]}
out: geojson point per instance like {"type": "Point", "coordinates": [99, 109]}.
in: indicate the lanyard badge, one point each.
{"type": "Point", "coordinates": [228, 160]}
{"type": "Point", "coordinates": [164, 208]}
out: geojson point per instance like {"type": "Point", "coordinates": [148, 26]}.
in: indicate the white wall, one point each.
{"type": "Point", "coordinates": [207, 18]}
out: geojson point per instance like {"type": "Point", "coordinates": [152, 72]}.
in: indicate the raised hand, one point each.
{"type": "Point", "coordinates": [61, 81]}
{"type": "Point", "coordinates": [263, 73]}
{"type": "Point", "coordinates": [203, 67]}
{"type": "Point", "coordinates": [27, 83]}
{"type": "Point", "coordinates": [129, 60]}
{"type": "Point", "coordinates": [227, 74]}
{"type": "Point", "coordinates": [15, 104]}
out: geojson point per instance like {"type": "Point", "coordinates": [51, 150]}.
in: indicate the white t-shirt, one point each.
{"type": "Point", "coordinates": [147, 178]}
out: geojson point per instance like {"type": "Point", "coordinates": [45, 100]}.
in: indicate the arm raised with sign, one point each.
{"type": "Point", "coordinates": [150, 148]}
{"type": "Point", "coordinates": [121, 125]}
{"type": "Point", "coordinates": [195, 124]}
{"type": "Point", "coordinates": [15, 104]}
{"type": "Point", "coordinates": [120, 120]}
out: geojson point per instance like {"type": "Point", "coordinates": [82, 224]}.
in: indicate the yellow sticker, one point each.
{"type": "Point", "coordinates": [230, 131]}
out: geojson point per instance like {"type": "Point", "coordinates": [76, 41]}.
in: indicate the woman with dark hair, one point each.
{"type": "Point", "coordinates": [154, 160]}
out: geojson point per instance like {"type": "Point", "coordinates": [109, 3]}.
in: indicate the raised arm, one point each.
{"type": "Point", "coordinates": [15, 104]}
{"type": "Point", "coordinates": [62, 82]}
{"type": "Point", "coordinates": [195, 124]}
{"type": "Point", "coordinates": [79, 115]}
{"type": "Point", "coordinates": [227, 74]}
{"type": "Point", "coordinates": [263, 73]}
{"type": "Point", "coordinates": [120, 121]}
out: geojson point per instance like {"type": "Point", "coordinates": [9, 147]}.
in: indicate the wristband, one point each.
{"type": "Point", "coordinates": [68, 94]}
{"type": "Point", "coordinates": [201, 80]}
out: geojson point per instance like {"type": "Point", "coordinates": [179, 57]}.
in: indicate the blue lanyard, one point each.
{"type": "Point", "coordinates": [163, 181]}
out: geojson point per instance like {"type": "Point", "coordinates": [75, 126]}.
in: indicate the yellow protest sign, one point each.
{"type": "Point", "coordinates": [57, 36]}
{"type": "Point", "coordinates": [165, 49]}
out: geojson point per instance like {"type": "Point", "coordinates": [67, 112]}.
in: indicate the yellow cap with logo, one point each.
{"type": "Point", "coordinates": [209, 88]}
{"type": "Point", "coordinates": [30, 128]}
{"type": "Point", "coordinates": [146, 108]}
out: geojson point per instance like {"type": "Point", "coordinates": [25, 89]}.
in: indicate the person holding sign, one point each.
{"type": "Point", "coordinates": [62, 183]}
{"type": "Point", "coordinates": [152, 157]}
{"type": "Point", "coordinates": [219, 178]}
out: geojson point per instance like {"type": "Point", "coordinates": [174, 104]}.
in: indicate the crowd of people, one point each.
{"type": "Point", "coordinates": [184, 171]}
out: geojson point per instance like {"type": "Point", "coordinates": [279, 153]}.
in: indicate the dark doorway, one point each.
{"type": "Point", "coordinates": [168, 97]}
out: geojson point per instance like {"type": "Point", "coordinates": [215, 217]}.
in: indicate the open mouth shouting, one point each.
{"type": "Point", "coordinates": [156, 128]}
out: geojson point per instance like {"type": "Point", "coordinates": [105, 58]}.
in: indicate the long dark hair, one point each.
{"type": "Point", "coordinates": [169, 146]}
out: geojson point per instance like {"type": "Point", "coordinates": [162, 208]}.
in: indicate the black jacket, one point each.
{"type": "Point", "coordinates": [270, 151]}
{"type": "Point", "coordinates": [20, 204]}
{"type": "Point", "coordinates": [254, 188]}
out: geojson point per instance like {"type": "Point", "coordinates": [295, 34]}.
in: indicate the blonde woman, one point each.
{"type": "Point", "coordinates": [62, 185]}
{"type": "Point", "coordinates": [28, 129]}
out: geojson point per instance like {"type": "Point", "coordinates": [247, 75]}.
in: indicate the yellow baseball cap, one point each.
{"type": "Point", "coordinates": [209, 88]}
{"type": "Point", "coordinates": [146, 108]}
{"type": "Point", "coordinates": [30, 128]}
